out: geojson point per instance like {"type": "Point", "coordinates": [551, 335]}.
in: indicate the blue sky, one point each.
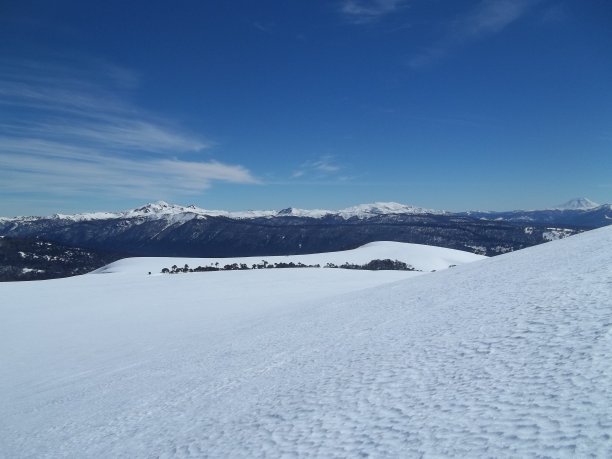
{"type": "Point", "coordinates": [486, 104]}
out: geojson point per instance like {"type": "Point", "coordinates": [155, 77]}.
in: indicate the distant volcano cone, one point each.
{"type": "Point", "coordinates": [578, 204]}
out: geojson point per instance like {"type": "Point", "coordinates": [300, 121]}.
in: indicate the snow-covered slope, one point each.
{"type": "Point", "coordinates": [421, 257]}
{"type": "Point", "coordinates": [505, 357]}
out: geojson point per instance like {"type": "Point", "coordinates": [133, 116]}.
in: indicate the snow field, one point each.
{"type": "Point", "coordinates": [506, 357]}
{"type": "Point", "coordinates": [422, 257]}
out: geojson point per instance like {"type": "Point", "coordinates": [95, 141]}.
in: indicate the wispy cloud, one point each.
{"type": "Point", "coordinates": [39, 167]}
{"type": "Point", "coordinates": [265, 27]}
{"type": "Point", "coordinates": [367, 11]}
{"type": "Point", "coordinates": [324, 167]}
{"type": "Point", "coordinates": [489, 17]}
{"type": "Point", "coordinates": [71, 129]}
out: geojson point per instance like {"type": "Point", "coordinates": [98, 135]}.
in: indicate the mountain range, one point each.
{"type": "Point", "coordinates": [162, 229]}
{"type": "Point", "coordinates": [162, 209]}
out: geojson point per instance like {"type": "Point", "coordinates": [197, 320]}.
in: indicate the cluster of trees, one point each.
{"type": "Point", "coordinates": [235, 267]}
{"type": "Point", "coordinates": [374, 265]}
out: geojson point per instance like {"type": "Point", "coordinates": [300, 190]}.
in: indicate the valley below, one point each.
{"type": "Point", "coordinates": [168, 230]}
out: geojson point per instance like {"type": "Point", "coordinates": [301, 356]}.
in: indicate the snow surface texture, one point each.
{"type": "Point", "coordinates": [421, 257]}
{"type": "Point", "coordinates": [505, 357]}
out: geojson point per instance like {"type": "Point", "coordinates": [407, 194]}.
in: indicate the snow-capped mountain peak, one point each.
{"type": "Point", "coordinates": [157, 207]}
{"type": "Point", "coordinates": [578, 204]}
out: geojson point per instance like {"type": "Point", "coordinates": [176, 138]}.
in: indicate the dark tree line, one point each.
{"type": "Point", "coordinates": [36, 259]}
{"type": "Point", "coordinates": [374, 265]}
{"type": "Point", "coordinates": [377, 265]}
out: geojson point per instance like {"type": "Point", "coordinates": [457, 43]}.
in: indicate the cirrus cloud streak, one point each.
{"type": "Point", "coordinates": [488, 18]}
{"type": "Point", "coordinates": [69, 130]}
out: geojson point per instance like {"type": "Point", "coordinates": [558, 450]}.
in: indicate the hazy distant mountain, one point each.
{"type": "Point", "coordinates": [579, 212]}
{"type": "Point", "coordinates": [578, 204]}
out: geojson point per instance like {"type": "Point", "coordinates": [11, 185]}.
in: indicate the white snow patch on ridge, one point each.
{"type": "Point", "coordinates": [384, 208]}
{"type": "Point", "coordinates": [506, 357]}
{"type": "Point", "coordinates": [556, 233]}
{"type": "Point", "coordinates": [421, 257]}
